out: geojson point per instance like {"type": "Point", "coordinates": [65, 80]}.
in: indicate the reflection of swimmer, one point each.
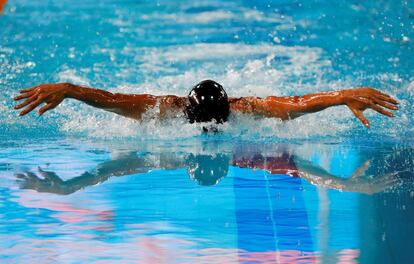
{"type": "Point", "coordinates": [207, 101]}
{"type": "Point", "coordinates": [210, 169]}
{"type": "Point", "coordinates": [281, 164]}
{"type": "Point", "coordinates": [204, 169]}
{"type": "Point", "coordinates": [207, 169]}
{"type": "Point", "coordinates": [284, 162]}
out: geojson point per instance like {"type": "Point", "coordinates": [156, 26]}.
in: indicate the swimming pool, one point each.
{"type": "Point", "coordinates": [79, 185]}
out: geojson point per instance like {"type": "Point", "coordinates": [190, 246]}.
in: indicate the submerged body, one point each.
{"type": "Point", "coordinates": [136, 105]}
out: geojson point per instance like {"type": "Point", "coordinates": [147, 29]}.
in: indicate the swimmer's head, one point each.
{"type": "Point", "coordinates": [207, 101]}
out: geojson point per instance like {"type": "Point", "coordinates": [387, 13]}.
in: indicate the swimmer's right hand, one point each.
{"type": "Point", "coordinates": [49, 94]}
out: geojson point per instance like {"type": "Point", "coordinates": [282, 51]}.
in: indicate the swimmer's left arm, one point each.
{"type": "Point", "coordinates": [290, 107]}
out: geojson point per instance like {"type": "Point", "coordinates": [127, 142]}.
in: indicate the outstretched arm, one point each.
{"type": "Point", "coordinates": [290, 107]}
{"type": "Point", "coordinates": [50, 182]}
{"type": "Point", "coordinates": [358, 182]}
{"type": "Point", "coordinates": [128, 105]}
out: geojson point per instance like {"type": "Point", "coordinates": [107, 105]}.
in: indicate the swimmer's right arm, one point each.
{"type": "Point", "coordinates": [128, 105]}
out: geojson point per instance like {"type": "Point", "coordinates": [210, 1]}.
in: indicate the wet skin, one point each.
{"type": "Point", "coordinates": [135, 105]}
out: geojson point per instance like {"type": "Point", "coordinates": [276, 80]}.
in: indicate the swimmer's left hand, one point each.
{"type": "Point", "coordinates": [360, 99]}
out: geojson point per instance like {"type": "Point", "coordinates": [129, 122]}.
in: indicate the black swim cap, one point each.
{"type": "Point", "coordinates": [207, 101]}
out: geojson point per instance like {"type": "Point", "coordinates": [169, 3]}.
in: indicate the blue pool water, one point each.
{"type": "Point", "coordinates": [79, 185]}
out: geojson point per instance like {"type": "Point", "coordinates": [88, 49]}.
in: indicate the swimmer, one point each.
{"type": "Point", "coordinates": [206, 102]}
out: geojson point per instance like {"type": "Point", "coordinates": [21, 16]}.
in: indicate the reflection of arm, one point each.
{"type": "Point", "coordinates": [120, 167]}
{"type": "Point", "coordinates": [88, 179]}
{"type": "Point", "coordinates": [80, 182]}
{"type": "Point", "coordinates": [132, 164]}
{"type": "Point", "coordinates": [356, 183]}
{"type": "Point", "coordinates": [319, 176]}
{"type": "Point", "coordinates": [296, 167]}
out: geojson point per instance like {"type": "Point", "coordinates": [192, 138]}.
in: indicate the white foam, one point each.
{"type": "Point", "coordinates": [206, 17]}
{"type": "Point", "coordinates": [71, 75]}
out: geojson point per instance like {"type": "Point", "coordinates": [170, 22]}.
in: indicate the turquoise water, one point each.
{"type": "Point", "coordinates": [79, 185]}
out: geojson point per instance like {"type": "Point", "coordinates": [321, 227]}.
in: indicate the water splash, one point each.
{"type": "Point", "coordinates": [277, 53]}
